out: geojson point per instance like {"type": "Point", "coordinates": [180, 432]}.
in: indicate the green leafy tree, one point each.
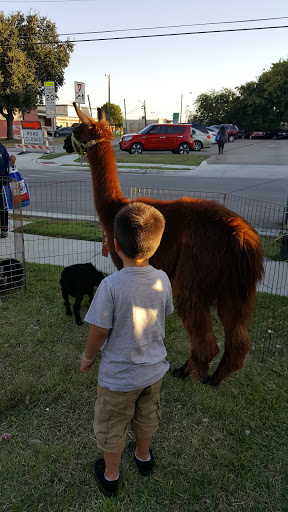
{"type": "Point", "coordinates": [213, 107]}
{"type": "Point", "coordinates": [116, 116]}
{"type": "Point", "coordinates": [30, 53]}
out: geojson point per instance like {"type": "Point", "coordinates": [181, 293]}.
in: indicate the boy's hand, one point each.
{"type": "Point", "coordinates": [12, 160]}
{"type": "Point", "coordinates": [86, 365]}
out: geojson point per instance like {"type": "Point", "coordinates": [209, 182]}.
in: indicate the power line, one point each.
{"type": "Point", "coordinates": [145, 36]}
{"type": "Point", "coordinates": [169, 26]}
{"type": "Point", "coordinates": [174, 26]}
{"type": "Point", "coordinates": [43, 1]}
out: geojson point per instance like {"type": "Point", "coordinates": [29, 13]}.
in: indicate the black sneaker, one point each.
{"type": "Point", "coordinates": [4, 234]}
{"type": "Point", "coordinates": [145, 466]}
{"type": "Point", "coordinates": [109, 489]}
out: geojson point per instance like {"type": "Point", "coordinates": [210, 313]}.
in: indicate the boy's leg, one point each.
{"type": "Point", "coordinates": [112, 464]}
{"type": "Point", "coordinates": [142, 448]}
{"type": "Point", "coordinates": [144, 424]}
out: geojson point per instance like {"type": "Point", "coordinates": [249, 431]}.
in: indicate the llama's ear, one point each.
{"type": "Point", "coordinates": [83, 118]}
{"type": "Point", "coordinates": [101, 114]}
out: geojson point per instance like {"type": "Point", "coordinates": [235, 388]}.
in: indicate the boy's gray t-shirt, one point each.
{"type": "Point", "coordinates": [132, 303]}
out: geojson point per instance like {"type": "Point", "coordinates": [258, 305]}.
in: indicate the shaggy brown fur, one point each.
{"type": "Point", "coordinates": [211, 255]}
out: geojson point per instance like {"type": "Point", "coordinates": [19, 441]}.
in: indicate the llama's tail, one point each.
{"type": "Point", "coordinates": [247, 264]}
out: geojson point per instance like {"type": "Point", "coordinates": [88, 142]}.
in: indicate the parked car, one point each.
{"type": "Point", "coordinates": [231, 129]}
{"type": "Point", "coordinates": [201, 140]}
{"type": "Point", "coordinates": [277, 133]}
{"type": "Point", "coordinates": [201, 127]}
{"type": "Point", "coordinates": [159, 137]}
{"type": "Point", "coordinates": [212, 132]}
{"type": "Point", "coordinates": [241, 133]}
{"type": "Point", "coordinates": [257, 134]}
{"type": "Point", "coordinates": [63, 131]}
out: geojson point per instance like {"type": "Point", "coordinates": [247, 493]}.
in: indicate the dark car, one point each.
{"type": "Point", "coordinates": [201, 127]}
{"type": "Point", "coordinates": [231, 129]}
{"type": "Point", "coordinates": [63, 131]}
{"type": "Point", "coordinates": [277, 133]}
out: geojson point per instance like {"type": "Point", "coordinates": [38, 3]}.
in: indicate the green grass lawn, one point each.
{"type": "Point", "coordinates": [166, 158]}
{"type": "Point", "coordinates": [217, 450]}
{"type": "Point", "coordinates": [75, 230]}
{"type": "Point", "coordinates": [92, 231]}
{"type": "Point", "coordinates": [9, 143]}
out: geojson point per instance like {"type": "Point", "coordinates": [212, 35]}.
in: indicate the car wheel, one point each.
{"type": "Point", "coordinates": [231, 138]}
{"type": "Point", "coordinates": [136, 149]}
{"type": "Point", "coordinates": [198, 145]}
{"type": "Point", "coordinates": [184, 149]}
{"type": "Point", "coordinates": [56, 134]}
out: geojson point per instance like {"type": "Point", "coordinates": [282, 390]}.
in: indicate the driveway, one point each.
{"type": "Point", "coordinates": [251, 152]}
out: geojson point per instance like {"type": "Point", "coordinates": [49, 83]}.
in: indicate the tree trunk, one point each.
{"type": "Point", "coordinates": [9, 119]}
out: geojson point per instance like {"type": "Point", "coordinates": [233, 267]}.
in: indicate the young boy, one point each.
{"type": "Point", "coordinates": [128, 322]}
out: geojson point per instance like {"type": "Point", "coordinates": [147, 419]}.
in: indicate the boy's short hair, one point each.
{"type": "Point", "coordinates": [138, 229]}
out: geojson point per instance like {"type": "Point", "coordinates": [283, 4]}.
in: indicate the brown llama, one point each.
{"type": "Point", "coordinates": [211, 255]}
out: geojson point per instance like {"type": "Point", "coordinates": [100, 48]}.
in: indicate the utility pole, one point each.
{"type": "Point", "coordinates": [144, 106]}
{"type": "Point", "coordinates": [89, 105]}
{"type": "Point", "coordinates": [108, 98]}
{"type": "Point", "coordinates": [125, 117]}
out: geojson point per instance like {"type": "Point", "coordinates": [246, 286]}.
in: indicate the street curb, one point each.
{"type": "Point", "coordinates": [208, 161]}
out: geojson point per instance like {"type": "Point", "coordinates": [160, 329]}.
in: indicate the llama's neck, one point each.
{"type": "Point", "coordinates": [106, 187]}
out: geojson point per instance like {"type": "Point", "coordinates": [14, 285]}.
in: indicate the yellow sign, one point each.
{"type": "Point", "coordinates": [49, 84]}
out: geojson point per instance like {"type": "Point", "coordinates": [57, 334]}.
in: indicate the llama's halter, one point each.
{"type": "Point", "coordinates": [81, 148]}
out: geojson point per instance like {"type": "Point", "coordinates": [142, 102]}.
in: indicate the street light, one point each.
{"type": "Point", "coordinates": [181, 104]}
{"type": "Point", "coordinates": [108, 98]}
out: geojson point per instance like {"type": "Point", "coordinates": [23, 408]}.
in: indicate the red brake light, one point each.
{"type": "Point", "coordinates": [208, 136]}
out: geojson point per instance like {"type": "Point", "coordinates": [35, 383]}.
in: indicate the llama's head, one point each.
{"type": "Point", "coordinates": [88, 133]}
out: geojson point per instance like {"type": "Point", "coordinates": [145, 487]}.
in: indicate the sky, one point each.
{"type": "Point", "coordinates": [160, 70]}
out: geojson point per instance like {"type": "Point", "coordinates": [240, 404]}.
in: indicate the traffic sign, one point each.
{"type": "Point", "coordinates": [32, 125]}
{"type": "Point", "coordinates": [79, 92]}
{"type": "Point", "coordinates": [33, 136]}
{"type": "Point", "coordinates": [49, 89]}
{"type": "Point", "coordinates": [175, 117]}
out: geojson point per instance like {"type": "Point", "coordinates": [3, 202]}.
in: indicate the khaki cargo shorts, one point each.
{"type": "Point", "coordinates": [115, 409]}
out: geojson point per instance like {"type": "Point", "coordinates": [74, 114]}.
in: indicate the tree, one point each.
{"type": "Point", "coordinates": [213, 107]}
{"type": "Point", "coordinates": [30, 53]}
{"type": "Point", "coordinates": [116, 116]}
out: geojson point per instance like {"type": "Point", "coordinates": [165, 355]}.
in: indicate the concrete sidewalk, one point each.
{"type": "Point", "coordinates": [204, 170]}
{"type": "Point", "coordinates": [64, 252]}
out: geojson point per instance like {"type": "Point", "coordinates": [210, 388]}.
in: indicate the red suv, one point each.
{"type": "Point", "coordinates": [159, 137]}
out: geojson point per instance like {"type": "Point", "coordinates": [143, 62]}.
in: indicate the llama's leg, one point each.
{"type": "Point", "coordinates": [197, 321]}
{"type": "Point", "coordinates": [66, 302]}
{"type": "Point", "coordinates": [90, 294]}
{"type": "Point", "coordinates": [234, 317]}
{"type": "Point", "coordinates": [77, 306]}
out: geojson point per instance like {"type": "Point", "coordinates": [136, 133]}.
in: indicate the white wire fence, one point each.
{"type": "Point", "coordinates": [61, 228]}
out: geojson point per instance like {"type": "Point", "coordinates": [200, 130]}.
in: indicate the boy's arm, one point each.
{"type": "Point", "coordinates": [96, 338]}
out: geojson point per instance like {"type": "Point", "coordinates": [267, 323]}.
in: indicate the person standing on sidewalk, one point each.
{"type": "Point", "coordinates": [5, 161]}
{"type": "Point", "coordinates": [222, 138]}
{"type": "Point", "coordinates": [128, 315]}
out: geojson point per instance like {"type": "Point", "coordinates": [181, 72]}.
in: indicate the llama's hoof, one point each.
{"type": "Point", "coordinates": [211, 382]}
{"type": "Point", "coordinates": [178, 373]}
{"type": "Point", "coordinates": [69, 313]}
{"type": "Point", "coordinates": [79, 322]}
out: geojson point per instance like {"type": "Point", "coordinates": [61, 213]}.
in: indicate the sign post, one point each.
{"type": "Point", "coordinates": [79, 92]}
{"type": "Point", "coordinates": [49, 89]}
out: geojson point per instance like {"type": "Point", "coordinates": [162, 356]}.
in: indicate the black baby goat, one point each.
{"type": "Point", "coordinates": [77, 281]}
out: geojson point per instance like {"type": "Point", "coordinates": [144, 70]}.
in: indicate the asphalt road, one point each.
{"type": "Point", "coordinates": [68, 190]}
